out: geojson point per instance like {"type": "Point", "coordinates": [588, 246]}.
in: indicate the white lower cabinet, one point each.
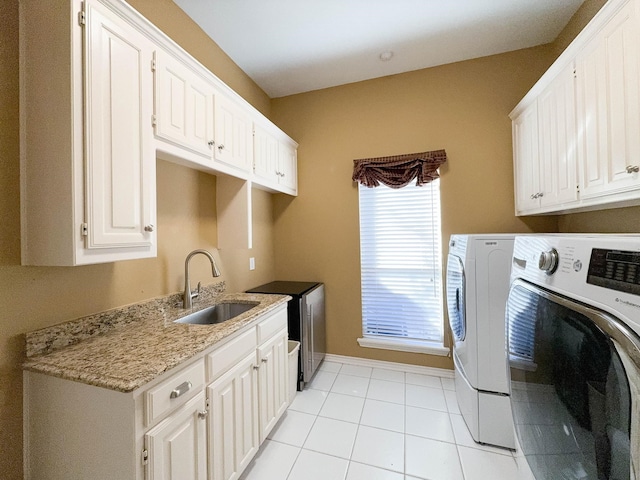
{"type": "Point", "coordinates": [233, 420]}
{"type": "Point", "coordinates": [177, 447]}
{"type": "Point", "coordinates": [202, 420]}
{"type": "Point", "coordinates": [249, 398]}
{"type": "Point", "coordinates": [272, 384]}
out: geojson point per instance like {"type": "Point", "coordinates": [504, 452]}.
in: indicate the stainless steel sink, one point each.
{"type": "Point", "coordinates": [218, 313]}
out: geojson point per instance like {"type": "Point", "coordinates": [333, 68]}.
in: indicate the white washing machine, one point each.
{"type": "Point", "coordinates": [478, 270]}
{"type": "Point", "coordinates": [573, 318]}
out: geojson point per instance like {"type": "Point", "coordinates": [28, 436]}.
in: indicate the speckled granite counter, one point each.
{"type": "Point", "coordinates": [125, 348]}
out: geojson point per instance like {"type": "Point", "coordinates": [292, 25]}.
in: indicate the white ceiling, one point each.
{"type": "Point", "coordinates": [293, 46]}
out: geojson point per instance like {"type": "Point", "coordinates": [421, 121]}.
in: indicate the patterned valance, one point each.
{"type": "Point", "coordinates": [399, 170]}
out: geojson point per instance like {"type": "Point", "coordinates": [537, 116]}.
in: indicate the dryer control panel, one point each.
{"type": "Point", "coordinates": [615, 269]}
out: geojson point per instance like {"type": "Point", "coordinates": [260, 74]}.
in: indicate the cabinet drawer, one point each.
{"type": "Point", "coordinates": [222, 359]}
{"type": "Point", "coordinates": [173, 392]}
{"type": "Point", "coordinates": [270, 326]}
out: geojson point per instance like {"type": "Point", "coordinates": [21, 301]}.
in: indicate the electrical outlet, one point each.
{"type": "Point", "coordinates": [252, 263]}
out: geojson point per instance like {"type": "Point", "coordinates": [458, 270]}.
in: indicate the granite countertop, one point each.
{"type": "Point", "coordinates": [125, 348]}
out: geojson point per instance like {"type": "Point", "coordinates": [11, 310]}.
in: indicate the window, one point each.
{"type": "Point", "coordinates": [401, 268]}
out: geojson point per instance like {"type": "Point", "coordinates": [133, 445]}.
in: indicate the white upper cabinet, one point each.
{"type": "Point", "coordinates": [288, 168]}
{"type": "Point", "coordinates": [91, 132]}
{"type": "Point", "coordinates": [120, 166]}
{"type": "Point", "coordinates": [183, 105]}
{"type": "Point", "coordinates": [233, 135]}
{"type": "Point", "coordinates": [265, 157]}
{"type": "Point", "coordinates": [609, 107]}
{"type": "Point", "coordinates": [526, 165]}
{"type": "Point", "coordinates": [588, 110]}
{"type": "Point", "coordinates": [88, 166]}
{"type": "Point", "coordinates": [275, 161]}
{"type": "Point", "coordinates": [557, 141]}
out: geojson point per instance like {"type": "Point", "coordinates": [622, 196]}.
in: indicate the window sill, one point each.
{"type": "Point", "coordinates": [400, 345]}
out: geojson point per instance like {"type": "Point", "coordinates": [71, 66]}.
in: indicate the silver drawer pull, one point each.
{"type": "Point", "coordinates": [180, 389]}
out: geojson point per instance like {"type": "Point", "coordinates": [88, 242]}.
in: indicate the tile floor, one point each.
{"type": "Point", "coordinates": [363, 423]}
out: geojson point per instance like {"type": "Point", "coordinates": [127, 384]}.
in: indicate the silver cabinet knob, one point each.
{"type": "Point", "coordinates": [256, 367]}
{"type": "Point", "coordinates": [633, 168]}
{"type": "Point", "coordinates": [221, 147]}
{"type": "Point", "coordinates": [211, 143]}
{"type": "Point", "coordinates": [265, 360]}
{"type": "Point", "coordinates": [203, 415]}
{"type": "Point", "coordinates": [149, 228]}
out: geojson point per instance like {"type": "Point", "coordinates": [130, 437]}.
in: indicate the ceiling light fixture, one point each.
{"type": "Point", "coordinates": [386, 55]}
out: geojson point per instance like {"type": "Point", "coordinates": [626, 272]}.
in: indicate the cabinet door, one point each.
{"type": "Point", "coordinates": [525, 160]}
{"type": "Point", "coordinates": [557, 141]}
{"type": "Point", "coordinates": [272, 384]}
{"type": "Point", "coordinates": [120, 163]}
{"type": "Point", "coordinates": [265, 155]}
{"type": "Point", "coordinates": [177, 446]}
{"type": "Point", "coordinates": [183, 105]}
{"type": "Point", "coordinates": [233, 135]}
{"type": "Point", "coordinates": [233, 420]}
{"type": "Point", "coordinates": [609, 107]}
{"type": "Point", "coordinates": [288, 168]}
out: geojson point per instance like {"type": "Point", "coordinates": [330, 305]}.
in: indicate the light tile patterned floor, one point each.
{"type": "Point", "coordinates": [362, 423]}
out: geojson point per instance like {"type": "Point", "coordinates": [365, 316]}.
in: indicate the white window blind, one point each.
{"type": "Point", "coordinates": [401, 262]}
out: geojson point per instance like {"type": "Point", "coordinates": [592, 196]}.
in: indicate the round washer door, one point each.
{"type": "Point", "coordinates": [455, 297]}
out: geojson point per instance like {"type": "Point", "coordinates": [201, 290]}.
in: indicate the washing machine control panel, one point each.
{"type": "Point", "coordinates": [615, 269]}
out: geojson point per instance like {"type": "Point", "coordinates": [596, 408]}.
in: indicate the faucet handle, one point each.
{"type": "Point", "coordinates": [196, 292]}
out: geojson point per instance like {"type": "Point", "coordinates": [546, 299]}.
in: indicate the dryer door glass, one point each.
{"type": "Point", "coordinates": [455, 297]}
{"type": "Point", "coordinates": [572, 370]}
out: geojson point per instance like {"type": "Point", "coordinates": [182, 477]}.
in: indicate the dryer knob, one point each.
{"type": "Point", "coordinates": [548, 261]}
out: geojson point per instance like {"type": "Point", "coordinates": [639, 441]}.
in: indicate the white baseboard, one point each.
{"type": "Point", "coordinates": [403, 367]}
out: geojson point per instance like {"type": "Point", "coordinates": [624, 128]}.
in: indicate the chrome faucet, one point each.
{"type": "Point", "coordinates": [188, 294]}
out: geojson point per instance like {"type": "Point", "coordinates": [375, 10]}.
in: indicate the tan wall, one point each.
{"type": "Point", "coordinates": [34, 297]}
{"type": "Point", "coordinates": [579, 20]}
{"type": "Point", "coordinates": [462, 107]}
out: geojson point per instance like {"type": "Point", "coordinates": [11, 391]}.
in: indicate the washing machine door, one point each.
{"type": "Point", "coordinates": [455, 298]}
{"type": "Point", "coordinates": [575, 378]}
